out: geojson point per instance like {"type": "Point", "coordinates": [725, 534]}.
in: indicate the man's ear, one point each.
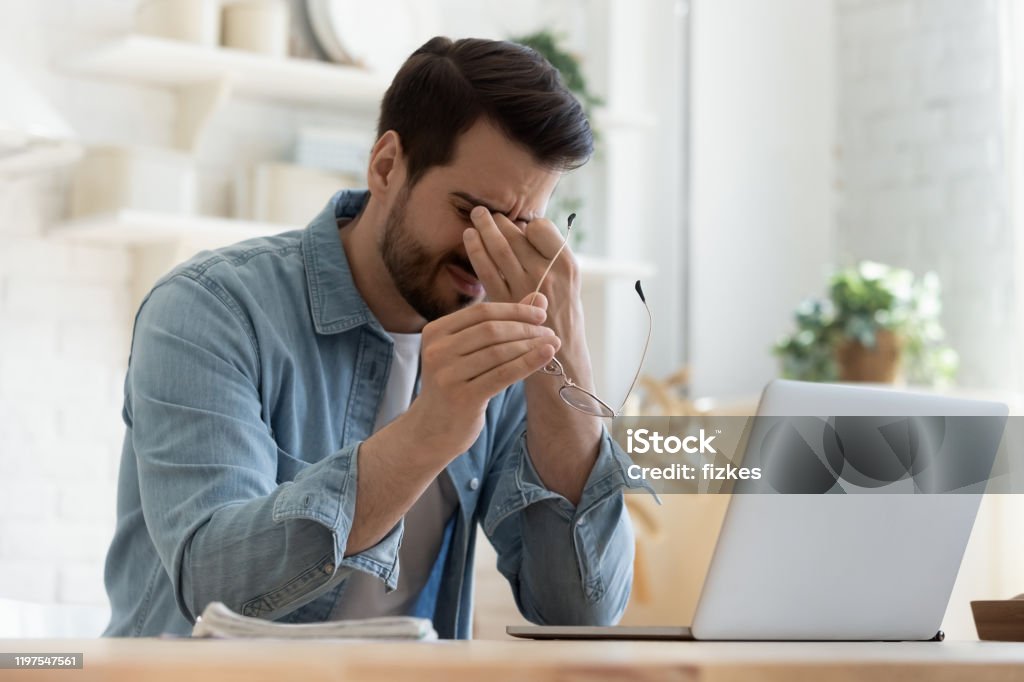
{"type": "Point", "coordinates": [386, 173]}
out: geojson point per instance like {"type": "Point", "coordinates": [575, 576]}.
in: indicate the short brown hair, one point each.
{"type": "Point", "coordinates": [445, 86]}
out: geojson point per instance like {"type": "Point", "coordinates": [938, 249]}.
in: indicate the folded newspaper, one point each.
{"type": "Point", "coordinates": [221, 622]}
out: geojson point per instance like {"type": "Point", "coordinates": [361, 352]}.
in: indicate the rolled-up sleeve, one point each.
{"type": "Point", "coordinates": [567, 564]}
{"type": "Point", "coordinates": [224, 527]}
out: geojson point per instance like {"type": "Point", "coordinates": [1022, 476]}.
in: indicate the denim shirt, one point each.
{"type": "Point", "coordinates": [255, 373]}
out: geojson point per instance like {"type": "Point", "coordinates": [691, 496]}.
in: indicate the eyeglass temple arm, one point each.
{"type": "Point", "coordinates": [647, 343]}
{"type": "Point", "coordinates": [572, 217]}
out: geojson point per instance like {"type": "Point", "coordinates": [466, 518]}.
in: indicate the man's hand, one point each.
{"type": "Point", "coordinates": [510, 261]}
{"type": "Point", "coordinates": [468, 357]}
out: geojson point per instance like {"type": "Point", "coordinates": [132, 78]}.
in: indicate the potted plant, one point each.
{"type": "Point", "coordinates": [878, 324]}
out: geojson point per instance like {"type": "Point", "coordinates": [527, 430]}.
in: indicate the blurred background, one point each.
{"type": "Point", "coordinates": [817, 189]}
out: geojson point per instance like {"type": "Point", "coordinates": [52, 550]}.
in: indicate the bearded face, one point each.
{"type": "Point", "coordinates": [433, 284]}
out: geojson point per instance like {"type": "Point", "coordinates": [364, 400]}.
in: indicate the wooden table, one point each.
{"type": "Point", "coordinates": [186, 660]}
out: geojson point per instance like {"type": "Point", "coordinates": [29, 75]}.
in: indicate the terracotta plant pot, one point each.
{"type": "Point", "coordinates": [880, 364]}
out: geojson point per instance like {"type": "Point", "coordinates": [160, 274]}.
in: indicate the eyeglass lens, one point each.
{"type": "Point", "coordinates": [583, 401]}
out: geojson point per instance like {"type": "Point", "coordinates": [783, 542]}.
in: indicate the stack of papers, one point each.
{"type": "Point", "coordinates": [221, 622]}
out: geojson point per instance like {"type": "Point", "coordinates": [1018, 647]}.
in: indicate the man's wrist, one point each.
{"type": "Point", "coordinates": [431, 435]}
{"type": "Point", "coordinates": [573, 353]}
{"type": "Point", "coordinates": [401, 436]}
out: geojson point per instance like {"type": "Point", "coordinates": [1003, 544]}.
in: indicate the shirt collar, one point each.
{"type": "Point", "coordinates": [335, 303]}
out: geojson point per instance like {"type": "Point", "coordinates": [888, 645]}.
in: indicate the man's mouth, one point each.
{"type": "Point", "coordinates": [466, 266]}
{"type": "Point", "coordinates": [465, 279]}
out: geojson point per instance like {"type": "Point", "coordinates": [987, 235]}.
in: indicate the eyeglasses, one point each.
{"type": "Point", "coordinates": [576, 396]}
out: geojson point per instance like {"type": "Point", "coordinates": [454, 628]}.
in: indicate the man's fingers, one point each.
{"type": "Point", "coordinates": [495, 285]}
{"type": "Point", "coordinates": [544, 237]}
{"type": "Point", "coordinates": [541, 301]}
{"type": "Point", "coordinates": [475, 314]}
{"type": "Point", "coordinates": [528, 256]}
{"type": "Point", "coordinates": [484, 360]}
{"type": "Point", "coordinates": [501, 377]}
{"type": "Point", "coordinates": [491, 333]}
{"type": "Point", "coordinates": [498, 248]}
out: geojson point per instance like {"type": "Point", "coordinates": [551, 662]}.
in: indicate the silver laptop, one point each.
{"type": "Point", "coordinates": [836, 566]}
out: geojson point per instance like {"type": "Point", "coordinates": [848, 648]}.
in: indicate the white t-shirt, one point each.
{"type": "Point", "coordinates": [364, 595]}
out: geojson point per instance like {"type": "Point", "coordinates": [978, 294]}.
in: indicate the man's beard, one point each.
{"type": "Point", "coordinates": [413, 270]}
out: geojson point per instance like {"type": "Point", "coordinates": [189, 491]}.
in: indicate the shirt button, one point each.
{"type": "Point", "coordinates": [580, 522]}
{"type": "Point", "coordinates": [474, 483]}
{"type": "Point", "coordinates": [328, 568]}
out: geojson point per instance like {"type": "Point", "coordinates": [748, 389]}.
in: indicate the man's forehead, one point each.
{"type": "Point", "coordinates": [489, 169]}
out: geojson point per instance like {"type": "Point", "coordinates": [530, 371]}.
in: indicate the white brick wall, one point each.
{"type": "Point", "coordinates": [921, 169]}
{"type": "Point", "coordinates": [37, 580]}
{"type": "Point", "coordinates": [62, 318]}
{"type": "Point", "coordinates": [66, 310]}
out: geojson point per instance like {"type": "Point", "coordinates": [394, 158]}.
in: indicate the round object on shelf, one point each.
{"type": "Point", "coordinates": [318, 13]}
{"type": "Point", "coordinates": [379, 35]}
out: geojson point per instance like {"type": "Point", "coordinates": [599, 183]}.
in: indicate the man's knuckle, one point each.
{"type": "Point", "coordinates": [491, 330]}
{"type": "Point", "coordinates": [432, 353]}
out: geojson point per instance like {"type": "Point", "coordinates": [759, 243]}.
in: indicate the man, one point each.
{"type": "Point", "coordinates": [316, 421]}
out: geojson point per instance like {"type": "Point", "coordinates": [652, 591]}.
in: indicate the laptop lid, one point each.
{"type": "Point", "coordinates": [864, 566]}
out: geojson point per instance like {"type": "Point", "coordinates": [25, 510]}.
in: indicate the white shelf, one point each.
{"type": "Point", "coordinates": [147, 60]}
{"type": "Point", "coordinates": [39, 157]}
{"type": "Point", "coordinates": [204, 78]}
{"type": "Point", "coordinates": [144, 228]}
{"type": "Point", "coordinates": [171, 63]}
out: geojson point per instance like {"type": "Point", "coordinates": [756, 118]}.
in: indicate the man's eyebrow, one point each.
{"type": "Point", "coordinates": [475, 201]}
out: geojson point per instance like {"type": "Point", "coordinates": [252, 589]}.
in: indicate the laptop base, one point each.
{"type": "Point", "coordinates": [599, 632]}
{"type": "Point", "coordinates": [632, 633]}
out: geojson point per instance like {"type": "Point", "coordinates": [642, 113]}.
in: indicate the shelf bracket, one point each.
{"type": "Point", "coordinates": [197, 103]}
